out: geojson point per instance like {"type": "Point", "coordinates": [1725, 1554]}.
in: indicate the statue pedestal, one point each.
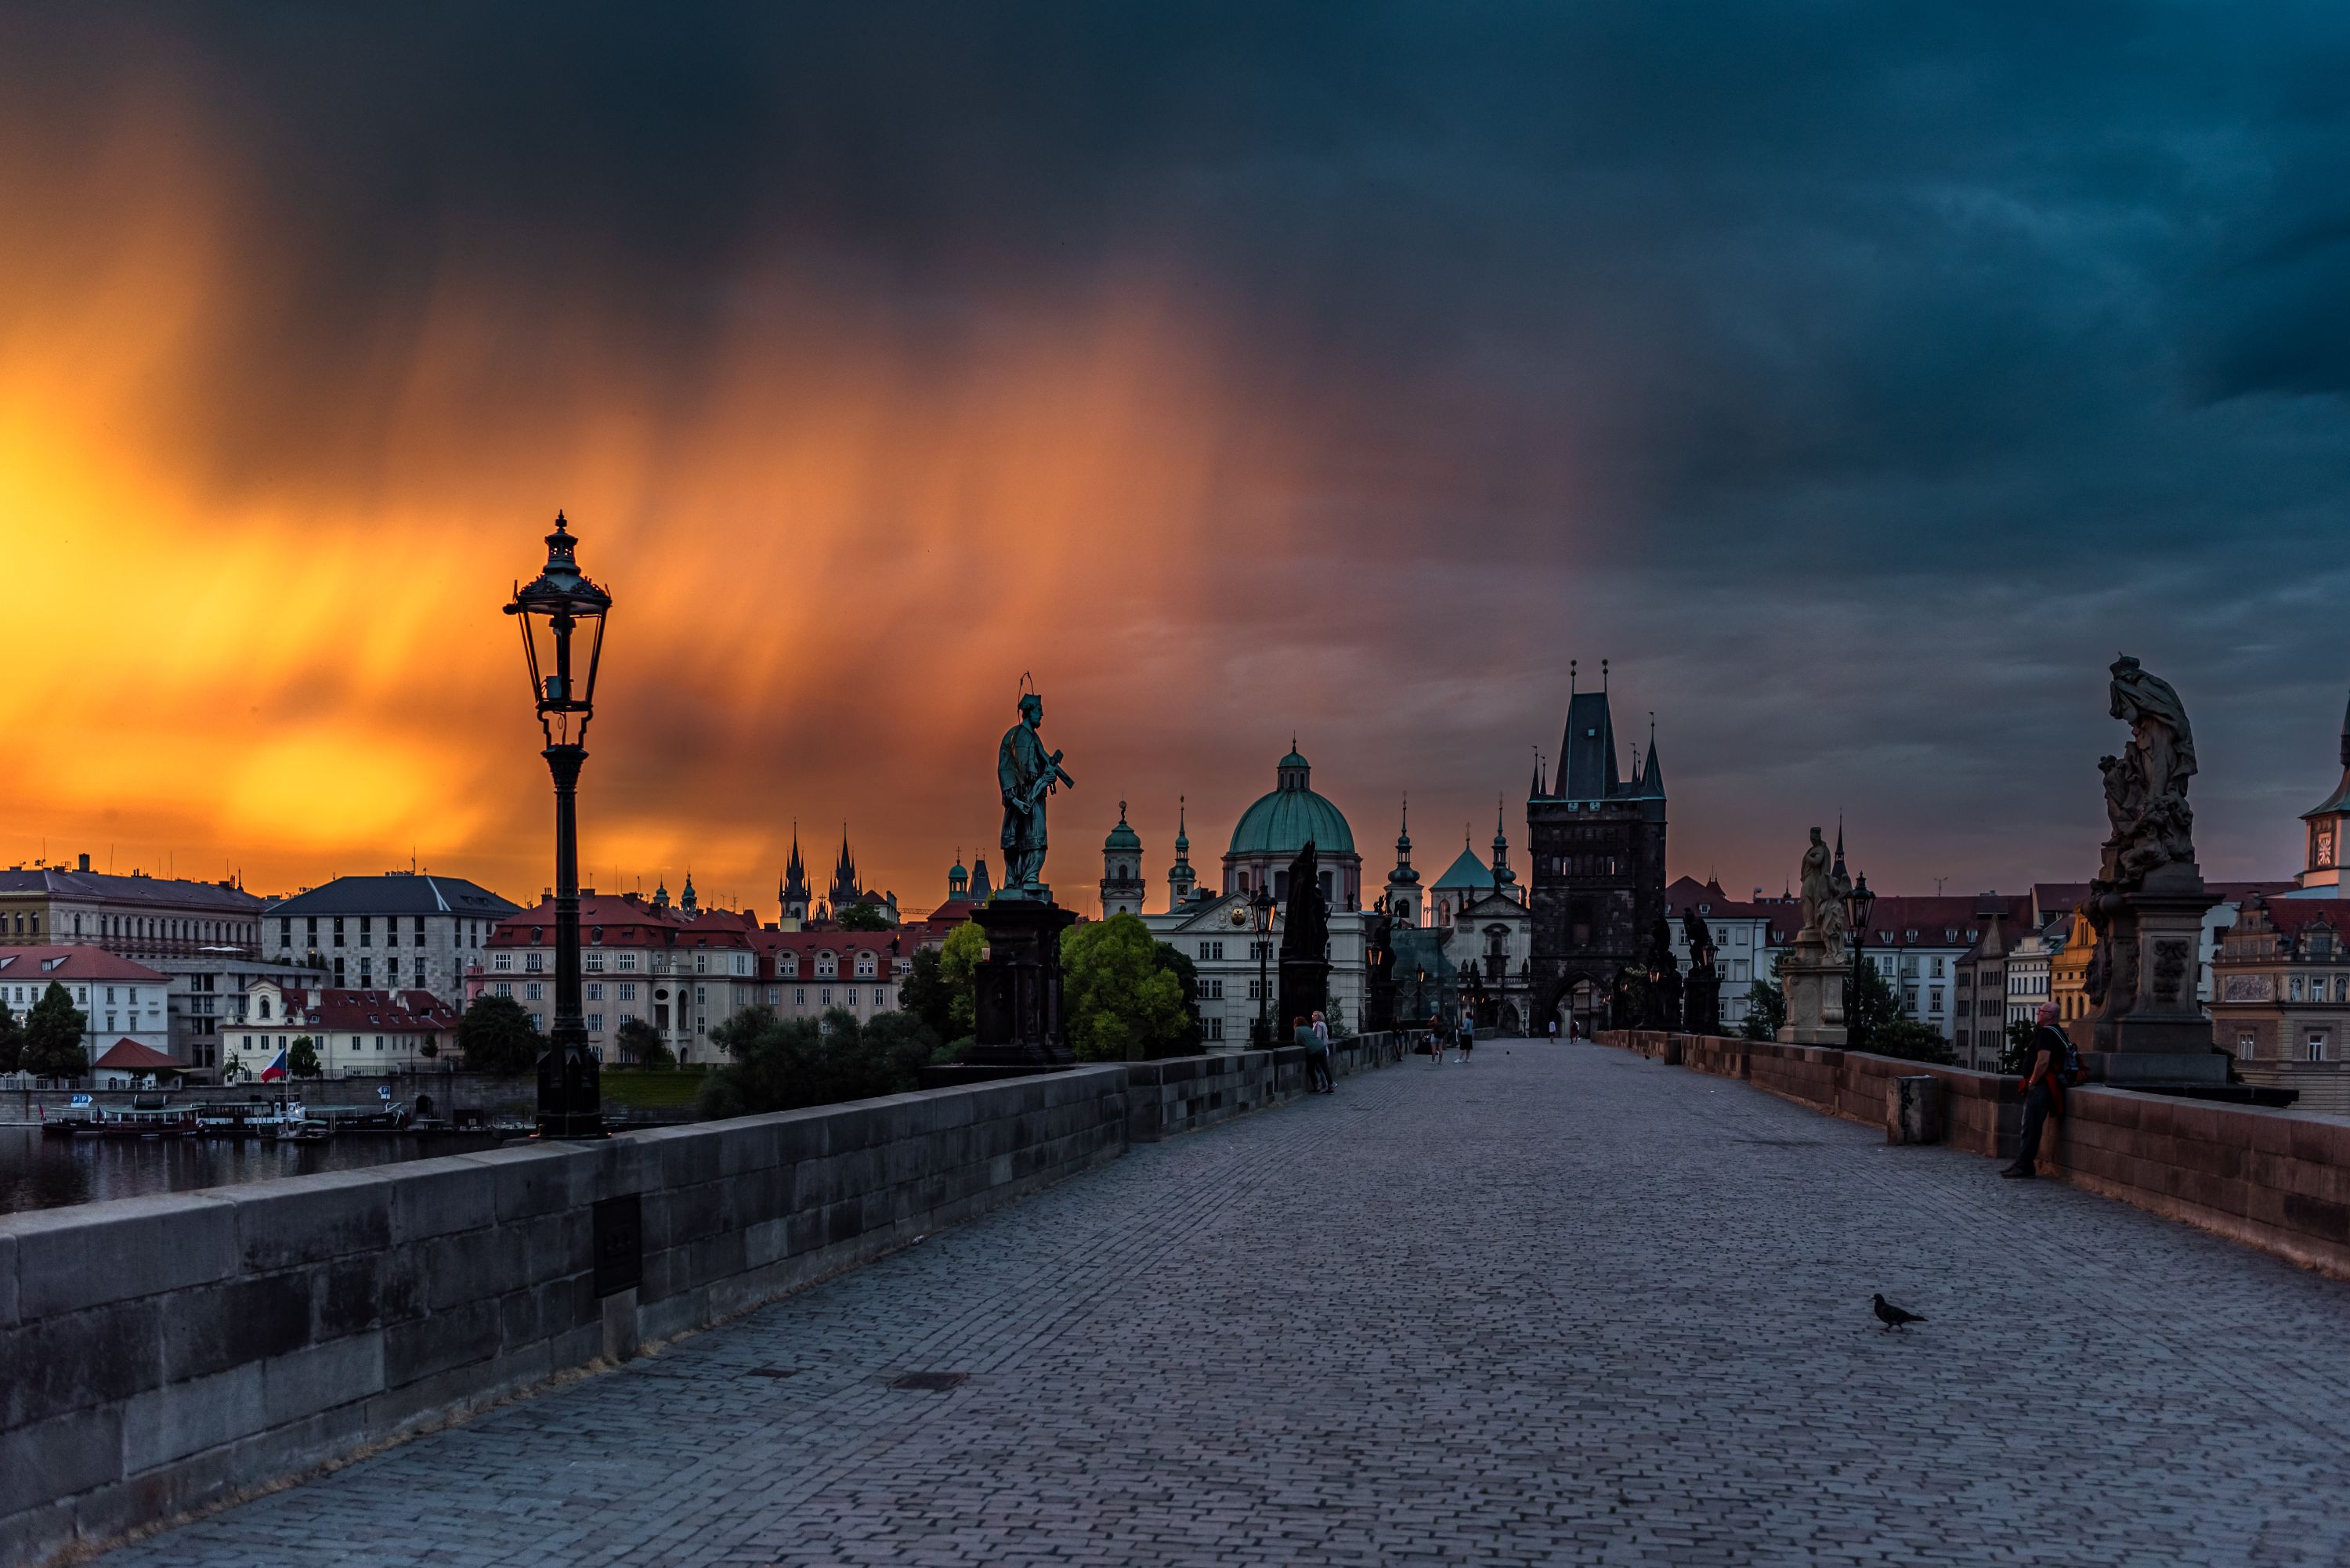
{"type": "Point", "coordinates": [1017, 1006]}
{"type": "Point", "coordinates": [1814, 990]}
{"type": "Point", "coordinates": [1701, 1004]}
{"type": "Point", "coordinates": [2148, 1026]}
{"type": "Point", "coordinates": [1304, 991]}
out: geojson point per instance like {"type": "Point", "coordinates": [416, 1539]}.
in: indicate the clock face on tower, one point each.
{"type": "Point", "coordinates": [2320, 845]}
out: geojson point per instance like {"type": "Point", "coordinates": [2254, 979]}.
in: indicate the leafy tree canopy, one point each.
{"type": "Point", "coordinates": [53, 1037]}
{"type": "Point", "coordinates": [301, 1057]}
{"type": "Point", "coordinates": [959, 971]}
{"type": "Point", "coordinates": [641, 1043]}
{"type": "Point", "coordinates": [11, 1039]}
{"type": "Point", "coordinates": [861, 916]}
{"type": "Point", "coordinates": [1121, 1003]}
{"type": "Point", "coordinates": [496, 1036]}
{"type": "Point", "coordinates": [783, 1064]}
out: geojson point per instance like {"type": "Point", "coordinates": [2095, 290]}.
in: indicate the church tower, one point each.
{"type": "Point", "coordinates": [1403, 882]}
{"type": "Point", "coordinates": [687, 904]}
{"type": "Point", "coordinates": [1504, 879]}
{"type": "Point", "coordinates": [1595, 878]}
{"type": "Point", "coordinates": [792, 893]}
{"type": "Point", "coordinates": [845, 891]}
{"type": "Point", "coordinates": [1180, 877]}
{"type": "Point", "coordinates": [1122, 887]}
{"type": "Point", "coordinates": [980, 890]}
{"type": "Point", "coordinates": [2326, 821]}
{"type": "Point", "coordinates": [958, 880]}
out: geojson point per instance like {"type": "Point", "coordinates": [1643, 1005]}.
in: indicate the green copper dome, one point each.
{"type": "Point", "coordinates": [1122, 836]}
{"type": "Point", "coordinates": [1279, 824]}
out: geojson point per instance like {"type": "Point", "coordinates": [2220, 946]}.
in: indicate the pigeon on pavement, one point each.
{"type": "Point", "coordinates": [1892, 1316]}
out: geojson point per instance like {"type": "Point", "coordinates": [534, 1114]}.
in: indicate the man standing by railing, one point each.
{"type": "Point", "coordinates": [2044, 1088]}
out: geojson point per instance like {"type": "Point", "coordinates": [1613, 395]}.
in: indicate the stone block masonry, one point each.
{"type": "Point", "coordinates": [2275, 1179]}
{"type": "Point", "coordinates": [158, 1353]}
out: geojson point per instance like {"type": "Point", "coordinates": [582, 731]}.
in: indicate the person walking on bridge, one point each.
{"type": "Point", "coordinates": [1468, 1037]}
{"type": "Point", "coordinates": [1317, 1056]}
{"type": "Point", "coordinates": [2044, 1072]}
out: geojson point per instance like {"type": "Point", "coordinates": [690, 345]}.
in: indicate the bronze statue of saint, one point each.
{"type": "Point", "coordinates": [1025, 775]}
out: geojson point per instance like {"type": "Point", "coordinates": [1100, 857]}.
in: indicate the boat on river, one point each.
{"type": "Point", "coordinates": [253, 1119]}
{"type": "Point", "coordinates": [78, 1117]}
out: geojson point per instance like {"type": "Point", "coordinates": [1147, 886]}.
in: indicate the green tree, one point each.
{"type": "Point", "coordinates": [233, 1068]}
{"type": "Point", "coordinates": [11, 1039]}
{"type": "Point", "coordinates": [301, 1057]}
{"type": "Point", "coordinates": [1884, 1030]}
{"type": "Point", "coordinates": [1120, 1001]}
{"type": "Point", "coordinates": [924, 993]}
{"type": "Point", "coordinates": [53, 1033]}
{"type": "Point", "coordinates": [1766, 1005]}
{"type": "Point", "coordinates": [1187, 973]}
{"type": "Point", "coordinates": [959, 972]}
{"type": "Point", "coordinates": [496, 1036]}
{"type": "Point", "coordinates": [783, 1064]}
{"type": "Point", "coordinates": [862, 915]}
{"type": "Point", "coordinates": [641, 1043]}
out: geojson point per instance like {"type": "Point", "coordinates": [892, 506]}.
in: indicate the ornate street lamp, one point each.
{"type": "Point", "coordinates": [1261, 912]}
{"type": "Point", "coordinates": [1858, 904]}
{"type": "Point", "coordinates": [555, 607]}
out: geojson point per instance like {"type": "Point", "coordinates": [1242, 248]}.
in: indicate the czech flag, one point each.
{"type": "Point", "coordinates": [275, 1070]}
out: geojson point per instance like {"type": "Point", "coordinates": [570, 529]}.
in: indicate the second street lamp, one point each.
{"type": "Point", "coordinates": [554, 608]}
{"type": "Point", "coordinates": [1857, 905]}
{"type": "Point", "coordinates": [1261, 910]}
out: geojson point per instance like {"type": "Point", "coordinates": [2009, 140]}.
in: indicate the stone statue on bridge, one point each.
{"type": "Point", "coordinates": [2146, 786]}
{"type": "Point", "coordinates": [1025, 775]}
{"type": "Point", "coordinates": [1818, 890]}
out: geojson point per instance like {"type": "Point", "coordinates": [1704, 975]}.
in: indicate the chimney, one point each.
{"type": "Point", "coordinates": [85, 864]}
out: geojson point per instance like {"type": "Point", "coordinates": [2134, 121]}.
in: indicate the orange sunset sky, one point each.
{"type": "Point", "coordinates": [1235, 388]}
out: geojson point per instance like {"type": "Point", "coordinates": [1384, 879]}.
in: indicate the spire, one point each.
{"type": "Point", "coordinates": [1403, 833]}
{"type": "Point", "coordinates": [1837, 874]}
{"type": "Point", "coordinates": [1183, 836]}
{"type": "Point", "coordinates": [686, 898]}
{"type": "Point", "coordinates": [1652, 782]}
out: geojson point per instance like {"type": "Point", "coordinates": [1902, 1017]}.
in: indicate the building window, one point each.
{"type": "Point", "coordinates": [823, 998]}
{"type": "Point", "coordinates": [775, 995]}
{"type": "Point", "coordinates": [628, 961]}
{"type": "Point", "coordinates": [594, 991]}
{"type": "Point", "coordinates": [502, 987]}
{"type": "Point", "coordinates": [501, 961]}
{"type": "Point", "coordinates": [596, 1023]}
{"type": "Point", "coordinates": [2316, 1046]}
{"type": "Point", "coordinates": [1212, 989]}
{"type": "Point", "coordinates": [628, 991]}
{"type": "Point", "coordinates": [338, 931]}
{"type": "Point", "coordinates": [592, 962]}
{"type": "Point", "coordinates": [701, 963]}
{"type": "Point", "coordinates": [1212, 950]}
{"type": "Point", "coordinates": [534, 962]}
{"type": "Point", "coordinates": [534, 991]}
{"type": "Point", "coordinates": [1215, 1028]}
{"type": "Point", "coordinates": [1934, 999]}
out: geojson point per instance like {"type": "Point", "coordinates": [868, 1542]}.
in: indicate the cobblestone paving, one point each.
{"type": "Point", "coordinates": [1562, 1305]}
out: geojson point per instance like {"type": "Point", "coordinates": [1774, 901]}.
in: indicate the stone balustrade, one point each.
{"type": "Point", "coordinates": [2275, 1179]}
{"type": "Point", "coordinates": [161, 1354]}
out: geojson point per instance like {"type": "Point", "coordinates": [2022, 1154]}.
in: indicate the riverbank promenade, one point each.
{"type": "Point", "coordinates": [1559, 1305]}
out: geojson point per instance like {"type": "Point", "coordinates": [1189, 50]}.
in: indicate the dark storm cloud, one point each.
{"type": "Point", "coordinates": [1827, 355]}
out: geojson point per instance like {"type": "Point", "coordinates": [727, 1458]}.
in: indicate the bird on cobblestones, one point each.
{"type": "Point", "coordinates": [1892, 1316]}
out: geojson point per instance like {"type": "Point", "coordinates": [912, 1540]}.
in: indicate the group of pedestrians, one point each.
{"type": "Point", "coordinates": [1459, 1038]}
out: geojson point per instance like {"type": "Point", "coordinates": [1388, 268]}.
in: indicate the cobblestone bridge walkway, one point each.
{"type": "Point", "coordinates": [1560, 1305]}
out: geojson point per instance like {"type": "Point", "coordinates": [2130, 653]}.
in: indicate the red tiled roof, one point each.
{"type": "Point", "coordinates": [350, 1011]}
{"type": "Point", "coordinates": [85, 963]}
{"type": "Point", "coordinates": [130, 1056]}
{"type": "Point", "coordinates": [628, 922]}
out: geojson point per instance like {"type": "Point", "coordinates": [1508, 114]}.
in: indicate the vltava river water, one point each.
{"type": "Point", "coordinates": [49, 1173]}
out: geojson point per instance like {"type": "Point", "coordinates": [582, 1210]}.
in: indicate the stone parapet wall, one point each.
{"type": "Point", "coordinates": [161, 1354]}
{"type": "Point", "coordinates": [1184, 1094]}
{"type": "Point", "coordinates": [2275, 1179]}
